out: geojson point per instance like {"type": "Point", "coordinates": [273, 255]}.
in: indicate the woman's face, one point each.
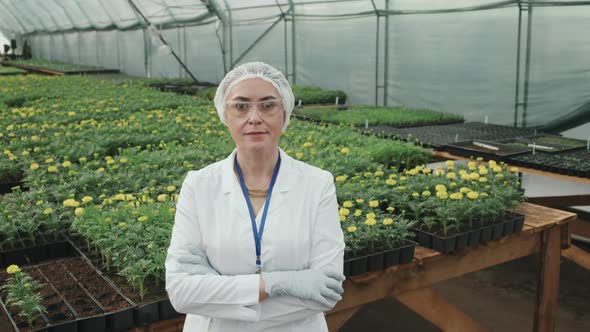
{"type": "Point", "coordinates": [254, 128]}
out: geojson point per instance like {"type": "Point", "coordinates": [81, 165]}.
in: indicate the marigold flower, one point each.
{"type": "Point", "coordinates": [465, 177]}
{"type": "Point", "coordinates": [371, 215]}
{"type": "Point", "coordinates": [344, 212]}
{"type": "Point", "coordinates": [440, 187]}
{"type": "Point", "coordinates": [483, 171]}
{"type": "Point", "coordinates": [374, 203]}
{"type": "Point", "coordinates": [450, 164]}
{"type": "Point", "coordinates": [12, 269]}
{"type": "Point", "coordinates": [172, 210]}
{"type": "Point", "coordinates": [427, 170]}
{"type": "Point", "coordinates": [442, 194]}
{"type": "Point", "coordinates": [87, 199]}
{"type": "Point", "coordinates": [426, 193]}
{"type": "Point", "coordinates": [400, 188]}
{"type": "Point", "coordinates": [100, 169]}
{"type": "Point", "coordinates": [48, 211]}
{"type": "Point", "coordinates": [497, 169]}
{"type": "Point", "coordinates": [464, 190]}
{"type": "Point", "coordinates": [307, 144]}
{"type": "Point", "coordinates": [342, 218]}
{"type": "Point", "coordinates": [483, 180]}
{"type": "Point", "coordinates": [82, 159]}
{"type": "Point", "coordinates": [48, 160]}
{"type": "Point", "coordinates": [390, 208]}
{"type": "Point", "coordinates": [66, 163]}
{"type": "Point", "coordinates": [347, 204]}
{"type": "Point", "coordinates": [345, 150]}
{"type": "Point", "coordinates": [161, 198]}
{"type": "Point", "coordinates": [34, 166]}
{"type": "Point", "coordinates": [142, 219]}
{"type": "Point", "coordinates": [387, 221]}
{"type": "Point", "coordinates": [473, 176]}
{"type": "Point", "coordinates": [79, 211]}
{"type": "Point", "coordinates": [514, 169]}
{"type": "Point", "coordinates": [415, 194]}
{"type": "Point", "coordinates": [352, 229]}
{"type": "Point", "coordinates": [370, 222]}
{"type": "Point", "coordinates": [70, 202]}
{"type": "Point", "coordinates": [170, 188]}
{"type": "Point", "coordinates": [403, 178]}
{"type": "Point", "coordinates": [472, 195]}
{"type": "Point", "coordinates": [451, 175]}
{"type": "Point", "coordinates": [390, 182]}
{"type": "Point", "coordinates": [483, 195]}
{"type": "Point", "coordinates": [340, 178]}
{"type": "Point", "coordinates": [499, 176]}
{"type": "Point", "coordinates": [123, 160]}
{"type": "Point", "coordinates": [52, 169]}
{"type": "Point", "coordinates": [358, 212]}
{"type": "Point", "coordinates": [379, 173]}
{"type": "Point", "coordinates": [122, 225]}
{"type": "Point", "coordinates": [299, 155]}
{"type": "Point", "coordinates": [360, 200]}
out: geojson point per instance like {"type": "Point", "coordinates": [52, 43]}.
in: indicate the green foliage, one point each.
{"type": "Point", "coordinates": [22, 293]}
{"type": "Point", "coordinates": [389, 116]}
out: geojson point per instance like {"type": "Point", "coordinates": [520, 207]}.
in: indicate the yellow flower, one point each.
{"type": "Point", "coordinates": [464, 190]}
{"type": "Point", "coordinates": [345, 150]}
{"type": "Point", "coordinates": [370, 222]}
{"type": "Point", "coordinates": [360, 200]}
{"type": "Point", "coordinates": [400, 188]}
{"type": "Point", "coordinates": [499, 176]}
{"type": "Point", "coordinates": [450, 164]}
{"type": "Point", "coordinates": [403, 178]}
{"type": "Point", "coordinates": [387, 221]}
{"type": "Point", "coordinates": [123, 160]}
{"type": "Point", "coordinates": [12, 269]}
{"type": "Point", "coordinates": [172, 210]}
{"type": "Point", "coordinates": [427, 170]}
{"type": "Point", "coordinates": [451, 175]}
{"type": "Point", "coordinates": [66, 163]}
{"type": "Point", "coordinates": [70, 202]}
{"type": "Point", "coordinates": [374, 203]}
{"type": "Point", "coordinates": [82, 159]}
{"type": "Point", "coordinates": [87, 199]}
{"type": "Point", "coordinates": [344, 212]}
{"type": "Point", "coordinates": [340, 178]}
{"type": "Point", "coordinates": [378, 173]}
{"type": "Point", "coordinates": [79, 211]}
{"type": "Point", "coordinates": [122, 225]}
{"type": "Point", "coordinates": [352, 229]}
{"type": "Point", "coordinates": [162, 198]}
{"type": "Point", "coordinates": [390, 208]}
{"type": "Point", "coordinates": [456, 196]}
{"type": "Point", "coordinates": [492, 163]}
{"type": "Point", "coordinates": [514, 169]}
{"type": "Point", "coordinates": [390, 182]}
{"type": "Point", "coordinates": [142, 219]}
{"type": "Point", "coordinates": [119, 197]}
{"type": "Point", "coordinates": [299, 155]}
{"type": "Point", "coordinates": [442, 194]}
{"type": "Point", "coordinates": [48, 160]}
{"type": "Point", "coordinates": [100, 169]}
{"type": "Point", "coordinates": [367, 174]}
{"type": "Point", "coordinates": [171, 188]}
{"type": "Point", "coordinates": [52, 169]}
{"type": "Point", "coordinates": [128, 197]}
{"type": "Point", "coordinates": [415, 194]}
{"type": "Point", "coordinates": [426, 193]}
{"type": "Point", "coordinates": [371, 215]}
{"type": "Point", "coordinates": [358, 212]}
{"type": "Point", "coordinates": [439, 172]}
{"type": "Point", "coordinates": [347, 204]}
{"type": "Point", "coordinates": [497, 169]}
{"type": "Point", "coordinates": [473, 176]}
{"type": "Point", "coordinates": [110, 161]}
{"type": "Point", "coordinates": [440, 187]}
{"type": "Point", "coordinates": [483, 171]}
{"type": "Point", "coordinates": [471, 165]}
{"type": "Point", "coordinates": [48, 211]}
{"type": "Point", "coordinates": [27, 285]}
{"type": "Point", "coordinates": [307, 144]}
{"type": "Point", "coordinates": [342, 218]}
{"type": "Point", "coordinates": [472, 195]}
{"type": "Point", "coordinates": [479, 159]}
{"type": "Point", "coordinates": [34, 166]}
{"type": "Point", "coordinates": [483, 195]}
{"type": "Point", "coordinates": [483, 180]}
{"type": "Point", "coordinates": [465, 177]}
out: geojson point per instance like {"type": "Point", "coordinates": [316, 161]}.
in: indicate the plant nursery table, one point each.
{"type": "Point", "coordinates": [579, 226]}
{"type": "Point", "coordinates": [545, 231]}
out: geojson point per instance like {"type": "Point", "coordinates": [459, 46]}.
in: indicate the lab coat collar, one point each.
{"type": "Point", "coordinates": [285, 178]}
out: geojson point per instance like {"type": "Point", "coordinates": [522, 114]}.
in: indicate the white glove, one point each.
{"type": "Point", "coordinates": [313, 285]}
{"type": "Point", "coordinates": [195, 263]}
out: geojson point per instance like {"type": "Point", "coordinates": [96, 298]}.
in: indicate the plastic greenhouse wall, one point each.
{"type": "Point", "coordinates": [456, 56]}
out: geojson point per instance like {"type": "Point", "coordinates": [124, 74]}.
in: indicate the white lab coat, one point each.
{"type": "Point", "coordinates": [302, 231]}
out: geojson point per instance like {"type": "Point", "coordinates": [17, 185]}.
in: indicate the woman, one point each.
{"type": "Point", "coordinates": [256, 243]}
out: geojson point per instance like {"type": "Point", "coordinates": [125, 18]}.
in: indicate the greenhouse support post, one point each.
{"type": "Point", "coordinates": [386, 64]}
{"type": "Point", "coordinates": [293, 53]}
{"type": "Point", "coordinates": [527, 63]}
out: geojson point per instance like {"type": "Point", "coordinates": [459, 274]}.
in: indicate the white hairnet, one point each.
{"type": "Point", "coordinates": [255, 70]}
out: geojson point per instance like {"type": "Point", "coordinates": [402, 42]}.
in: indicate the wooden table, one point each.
{"type": "Point", "coordinates": [545, 232]}
{"type": "Point", "coordinates": [580, 226]}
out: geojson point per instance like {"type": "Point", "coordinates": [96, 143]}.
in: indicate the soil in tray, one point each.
{"type": "Point", "coordinates": [502, 151]}
{"type": "Point", "coordinates": [96, 285]}
{"type": "Point", "coordinates": [448, 134]}
{"type": "Point", "coordinates": [70, 290]}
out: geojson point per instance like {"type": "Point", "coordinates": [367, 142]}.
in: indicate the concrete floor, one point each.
{"type": "Point", "coordinates": [501, 298]}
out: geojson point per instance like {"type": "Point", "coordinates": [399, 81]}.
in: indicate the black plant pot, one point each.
{"type": "Point", "coordinates": [461, 241]}
{"type": "Point", "coordinates": [473, 237]}
{"type": "Point", "coordinates": [497, 231]}
{"type": "Point", "coordinates": [167, 311]}
{"type": "Point", "coordinates": [407, 253]}
{"type": "Point", "coordinates": [121, 320]}
{"type": "Point", "coordinates": [509, 227]}
{"type": "Point", "coordinates": [518, 223]}
{"type": "Point", "coordinates": [444, 245]}
{"type": "Point", "coordinates": [375, 262]}
{"type": "Point", "coordinates": [146, 314]}
{"type": "Point", "coordinates": [93, 324]}
{"type": "Point", "coordinates": [391, 258]}
{"type": "Point", "coordinates": [424, 239]}
{"type": "Point", "coordinates": [486, 234]}
{"type": "Point", "coordinates": [358, 265]}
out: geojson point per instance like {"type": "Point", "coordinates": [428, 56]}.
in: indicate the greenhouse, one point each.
{"type": "Point", "coordinates": [424, 165]}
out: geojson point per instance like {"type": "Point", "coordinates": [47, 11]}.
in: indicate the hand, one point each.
{"type": "Point", "coordinates": [196, 263]}
{"type": "Point", "coordinates": [313, 285]}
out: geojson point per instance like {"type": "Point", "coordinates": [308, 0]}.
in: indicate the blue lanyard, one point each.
{"type": "Point", "coordinates": [257, 234]}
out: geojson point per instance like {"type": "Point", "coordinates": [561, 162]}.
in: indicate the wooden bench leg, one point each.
{"type": "Point", "coordinates": [548, 285]}
{"type": "Point", "coordinates": [434, 308]}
